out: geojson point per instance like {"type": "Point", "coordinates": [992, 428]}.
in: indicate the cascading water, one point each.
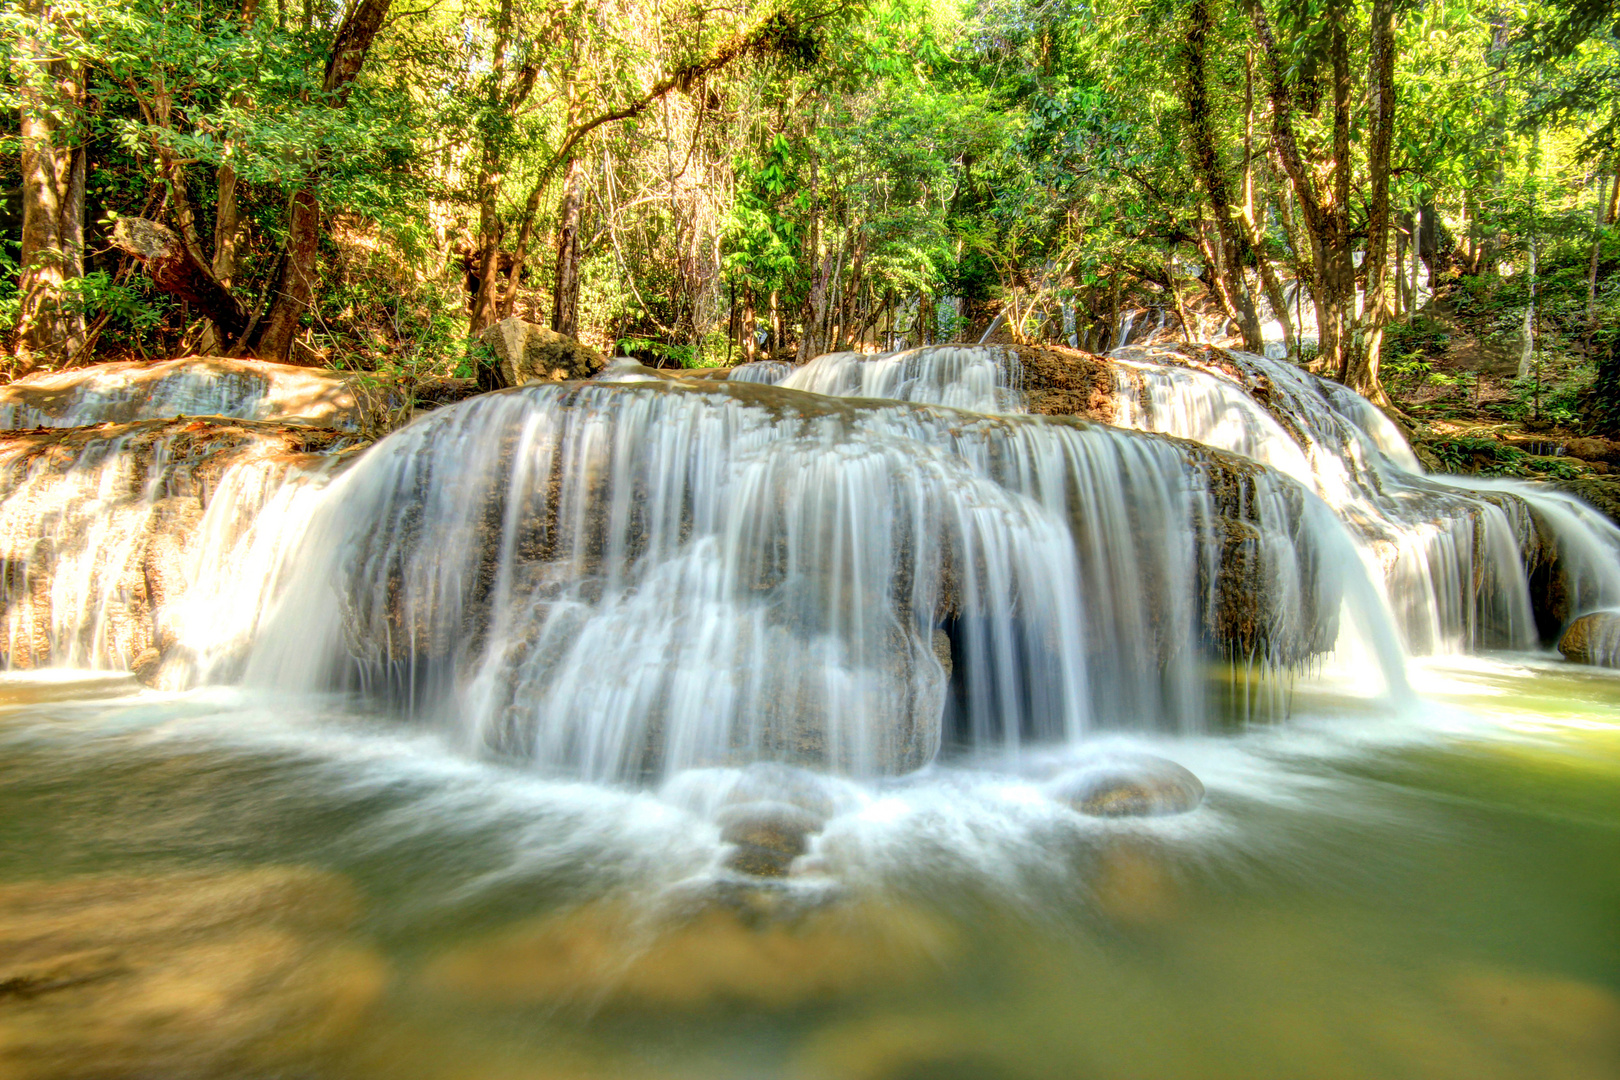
{"type": "Point", "coordinates": [640, 577]}
{"type": "Point", "coordinates": [148, 535]}
{"type": "Point", "coordinates": [960, 376]}
{"type": "Point", "coordinates": [1456, 555]}
{"type": "Point", "coordinates": [769, 372]}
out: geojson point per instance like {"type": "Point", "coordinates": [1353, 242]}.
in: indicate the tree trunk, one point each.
{"type": "Point", "coordinates": [50, 328]}
{"type": "Point", "coordinates": [1361, 374]}
{"type": "Point", "coordinates": [1325, 213]}
{"type": "Point", "coordinates": [1606, 219]}
{"type": "Point", "coordinates": [294, 284]}
{"type": "Point", "coordinates": [1234, 248]}
{"type": "Point", "coordinates": [227, 220]}
{"type": "Point", "coordinates": [520, 255]}
{"type": "Point", "coordinates": [749, 329]}
{"type": "Point", "coordinates": [565, 285]}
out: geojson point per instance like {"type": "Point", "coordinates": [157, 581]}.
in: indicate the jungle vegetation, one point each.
{"type": "Point", "coordinates": [369, 184]}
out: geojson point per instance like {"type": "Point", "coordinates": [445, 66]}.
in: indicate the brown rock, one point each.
{"type": "Point", "coordinates": [751, 949]}
{"type": "Point", "coordinates": [1593, 639]}
{"type": "Point", "coordinates": [768, 836]}
{"type": "Point", "coordinates": [1129, 785]}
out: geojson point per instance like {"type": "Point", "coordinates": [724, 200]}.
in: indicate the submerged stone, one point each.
{"type": "Point", "coordinates": [1129, 785]}
{"type": "Point", "coordinates": [1593, 639]}
{"type": "Point", "coordinates": [767, 836]}
{"type": "Point", "coordinates": [183, 975]}
{"type": "Point", "coordinates": [757, 948]}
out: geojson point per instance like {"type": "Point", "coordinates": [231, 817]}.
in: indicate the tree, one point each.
{"type": "Point", "coordinates": [50, 91]}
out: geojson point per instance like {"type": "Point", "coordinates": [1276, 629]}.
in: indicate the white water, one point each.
{"type": "Point", "coordinates": [642, 577]}
{"type": "Point", "coordinates": [973, 378]}
{"type": "Point", "coordinates": [1455, 554]}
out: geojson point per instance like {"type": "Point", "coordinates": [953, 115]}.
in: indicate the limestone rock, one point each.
{"type": "Point", "coordinates": [182, 975]}
{"type": "Point", "coordinates": [1128, 785]}
{"type": "Point", "coordinates": [1593, 639]}
{"type": "Point", "coordinates": [530, 353]}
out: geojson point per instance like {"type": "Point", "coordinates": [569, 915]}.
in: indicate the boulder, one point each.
{"type": "Point", "coordinates": [245, 972]}
{"type": "Point", "coordinates": [1128, 785]}
{"type": "Point", "coordinates": [1593, 639]}
{"type": "Point", "coordinates": [528, 353]}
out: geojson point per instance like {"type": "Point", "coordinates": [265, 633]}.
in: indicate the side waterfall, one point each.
{"type": "Point", "coordinates": [1465, 563]}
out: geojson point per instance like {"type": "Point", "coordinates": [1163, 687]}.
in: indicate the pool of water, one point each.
{"type": "Point", "coordinates": [218, 884]}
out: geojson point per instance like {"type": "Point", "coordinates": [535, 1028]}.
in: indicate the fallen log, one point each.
{"type": "Point", "coordinates": [175, 270]}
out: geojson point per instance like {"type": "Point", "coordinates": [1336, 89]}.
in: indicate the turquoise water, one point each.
{"type": "Point", "coordinates": [216, 884]}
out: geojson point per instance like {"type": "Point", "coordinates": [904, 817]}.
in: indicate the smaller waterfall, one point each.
{"type": "Point", "coordinates": [770, 372]}
{"type": "Point", "coordinates": [191, 386]}
{"type": "Point", "coordinates": [971, 378]}
{"type": "Point", "coordinates": [1457, 554]}
{"type": "Point", "coordinates": [149, 537]}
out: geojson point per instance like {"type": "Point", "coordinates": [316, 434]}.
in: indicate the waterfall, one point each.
{"type": "Point", "coordinates": [632, 578]}
{"type": "Point", "coordinates": [191, 386]}
{"type": "Point", "coordinates": [1456, 555]}
{"type": "Point", "coordinates": [770, 372]}
{"type": "Point", "coordinates": [116, 543]}
{"type": "Point", "coordinates": [851, 564]}
{"type": "Point", "coordinates": [973, 378]}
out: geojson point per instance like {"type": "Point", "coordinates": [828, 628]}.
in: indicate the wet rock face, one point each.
{"type": "Point", "coordinates": [185, 975]}
{"type": "Point", "coordinates": [1128, 785]}
{"type": "Point", "coordinates": [529, 353]}
{"type": "Point", "coordinates": [189, 386]}
{"type": "Point", "coordinates": [1593, 639]}
{"type": "Point", "coordinates": [1066, 382]}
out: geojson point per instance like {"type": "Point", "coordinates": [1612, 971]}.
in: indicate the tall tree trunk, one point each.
{"type": "Point", "coordinates": [565, 285]}
{"type": "Point", "coordinates": [294, 284]}
{"type": "Point", "coordinates": [1361, 373]}
{"type": "Point", "coordinates": [1233, 241]}
{"type": "Point", "coordinates": [50, 328]}
{"type": "Point", "coordinates": [1527, 355]}
{"type": "Point", "coordinates": [520, 254]}
{"type": "Point", "coordinates": [1325, 213]}
{"type": "Point", "coordinates": [227, 219]}
{"type": "Point", "coordinates": [749, 328]}
{"type": "Point", "coordinates": [1606, 218]}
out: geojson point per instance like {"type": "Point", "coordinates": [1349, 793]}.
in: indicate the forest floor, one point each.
{"type": "Point", "coordinates": [1466, 410]}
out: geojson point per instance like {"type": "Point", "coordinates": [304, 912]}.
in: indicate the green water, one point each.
{"type": "Point", "coordinates": [216, 885]}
